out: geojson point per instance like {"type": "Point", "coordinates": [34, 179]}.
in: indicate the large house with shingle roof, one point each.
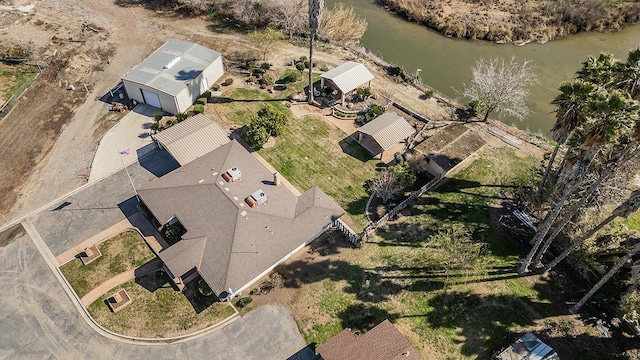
{"type": "Point", "coordinates": [239, 222]}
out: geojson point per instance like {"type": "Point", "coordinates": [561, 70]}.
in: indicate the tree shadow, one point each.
{"type": "Point", "coordinates": [483, 323]}
{"type": "Point", "coordinates": [361, 318]}
{"type": "Point", "coordinates": [185, 75]}
{"type": "Point", "coordinates": [351, 147]}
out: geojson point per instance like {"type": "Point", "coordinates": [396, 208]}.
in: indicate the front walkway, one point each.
{"type": "Point", "coordinates": [97, 292]}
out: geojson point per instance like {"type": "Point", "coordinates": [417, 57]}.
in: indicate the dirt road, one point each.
{"type": "Point", "coordinates": [66, 161]}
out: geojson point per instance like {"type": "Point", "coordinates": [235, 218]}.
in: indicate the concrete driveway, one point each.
{"type": "Point", "coordinates": [131, 132]}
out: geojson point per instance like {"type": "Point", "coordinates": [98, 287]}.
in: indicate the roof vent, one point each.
{"type": "Point", "coordinates": [257, 198]}
{"type": "Point", "coordinates": [172, 62]}
{"type": "Point", "coordinates": [232, 174]}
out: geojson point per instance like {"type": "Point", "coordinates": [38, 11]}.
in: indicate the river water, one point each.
{"type": "Point", "coordinates": [446, 62]}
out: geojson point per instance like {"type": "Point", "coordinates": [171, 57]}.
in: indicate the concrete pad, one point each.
{"type": "Point", "coordinates": [131, 132]}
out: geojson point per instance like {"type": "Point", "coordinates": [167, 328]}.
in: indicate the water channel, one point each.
{"type": "Point", "coordinates": [445, 62]}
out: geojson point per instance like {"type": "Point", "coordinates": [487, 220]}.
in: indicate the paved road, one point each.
{"type": "Point", "coordinates": [39, 320]}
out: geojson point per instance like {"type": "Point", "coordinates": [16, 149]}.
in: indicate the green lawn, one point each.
{"type": "Point", "coordinates": [157, 310]}
{"type": "Point", "coordinates": [123, 252]}
{"type": "Point", "coordinates": [16, 79]}
{"type": "Point", "coordinates": [446, 312]}
{"type": "Point", "coordinates": [311, 152]}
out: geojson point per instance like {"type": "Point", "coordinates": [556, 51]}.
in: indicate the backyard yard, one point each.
{"type": "Point", "coordinates": [310, 152]}
{"type": "Point", "coordinates": [123, 252]}
{"type": "Point", "coordinates": [443, 273]}
{"type": "Point", "coordinates": [157, 310]}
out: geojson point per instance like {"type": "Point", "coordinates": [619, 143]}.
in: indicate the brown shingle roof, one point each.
{"type": "Point", "coordinates": [241, 242]}
{"type": "Point", "coordinates": [383, 342]}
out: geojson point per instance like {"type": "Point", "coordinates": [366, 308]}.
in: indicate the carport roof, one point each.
{"type": "Point", "coordinates": [172, 66]}
{"type": "Point", "coordinates": [192, 138]}
{"type": "Point", "coordinates": [348, 76]}
{"type": "Point", "coordinates": [386, 130]}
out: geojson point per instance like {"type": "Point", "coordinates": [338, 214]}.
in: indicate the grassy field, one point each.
{"type": "Point", "coordinates": [125, 251]}
{"type": "Point", "coordinates": [448, 306]}
{"type": "Point", "coordinates": [157, 310]}
{"type": "Point", "coordinates": [311, 152]}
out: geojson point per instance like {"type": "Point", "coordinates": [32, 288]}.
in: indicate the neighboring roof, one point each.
{"type": "Point", "coordinates": [528, 347]}
{"type": "Point", "coordinates": [229, 242]}
{"type": "Point", "coordinates": [192, 138]}
{"type": "Point", "coordinates": [187, 62]}
{"type": "Point", "coordinates": [451, 146]}
{"type": "Point", "coordinates": [386, 131]}
{"type": "Point", "coordinates": [348, 76]}
{"type": "Point", "coordinates": [383, 342]}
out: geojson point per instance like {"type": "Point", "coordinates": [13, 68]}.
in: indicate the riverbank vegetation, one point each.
{"type": "Point", "coordinates": [509, 21]}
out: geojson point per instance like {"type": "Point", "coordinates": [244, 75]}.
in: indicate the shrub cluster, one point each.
{"type": "Point", "coordinates": [266, 123]}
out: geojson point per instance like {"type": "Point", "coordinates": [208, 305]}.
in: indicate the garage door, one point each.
{"type": "Point", "coordinates": [151, 98]}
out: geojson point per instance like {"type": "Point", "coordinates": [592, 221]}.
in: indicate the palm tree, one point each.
{"type": "Point", "coordinates": [599, 71]}
{"type": "Point", "coordinates": [574, 179]}
{"type": "Point", "coordinates": [315, 17]}
{"type": "Point", "coordinates": [630, 74]}
{"type": "Point", "coordinates": [570, 114]}
{"type": "Point", "coordinates": [631, 205]}
{"type": "Point", "coordinates": [636, 238]}
{"type": "Point", "coordinates": [619, 155]}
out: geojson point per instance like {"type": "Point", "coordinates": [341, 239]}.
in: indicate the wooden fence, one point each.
{"type": "Point", "coordinates": [393, 212]}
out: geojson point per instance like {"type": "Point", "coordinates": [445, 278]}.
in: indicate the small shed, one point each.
{"type": "Point", "coordinates": [192, 138]}
{"type": "Point", "coordinates": [383, 132]}
{"type": "Point", "coordinates": [174, 76]}
{"type": "Point", "coordinates": [347, 77]}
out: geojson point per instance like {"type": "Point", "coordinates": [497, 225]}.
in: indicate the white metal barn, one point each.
{"type": "Point", "coordinates": [174, 76]}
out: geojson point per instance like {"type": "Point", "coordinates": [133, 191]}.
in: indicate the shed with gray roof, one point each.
{"type": "Point", "coordinates": [229, 243]}
{"type": "Point", "coordinates": [347, 77]}
{"type": "Point", "coordinates": [383, 132]}
{"type": "Point", "coordinates": [192, 138]}
{"type": "Point", "coordinates": [174, 76]}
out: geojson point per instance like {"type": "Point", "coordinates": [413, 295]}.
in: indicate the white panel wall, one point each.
{"type": "Point", "coordinates": [167, 102]}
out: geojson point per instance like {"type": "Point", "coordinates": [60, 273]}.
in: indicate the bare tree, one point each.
{"type": "Point", "coordinates": [500, 85]}
{"type": "Point", "coordinates": [386, 186]}
{"type": "Point", "coordinates": [342, 25]}
{"type": "Point", "coordinates": [290, 15]}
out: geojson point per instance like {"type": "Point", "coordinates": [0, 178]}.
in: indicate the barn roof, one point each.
{"type": "Point", "coordinates": [172, 66]}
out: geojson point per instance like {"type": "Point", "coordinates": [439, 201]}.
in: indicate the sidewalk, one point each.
{"type": "Point", "coordinates": [95, 294]}
{"type": "Point", "coordinates": [116, 229]}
